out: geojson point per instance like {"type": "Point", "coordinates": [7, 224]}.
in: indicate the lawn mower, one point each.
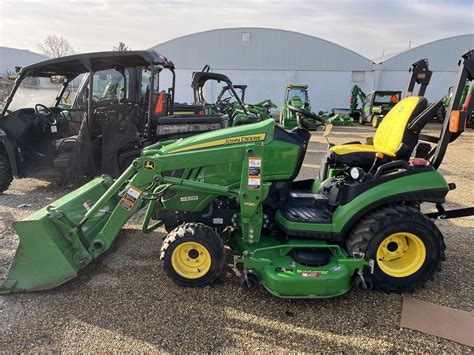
{"type": "Point", "coordinates": [358, 225]}
{"type": "Point", "coordinates": [337, 117]}
{"type": "Point", "coordinates": [45, 133]}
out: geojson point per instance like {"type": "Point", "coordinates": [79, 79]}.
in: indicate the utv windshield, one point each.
{"type": "Point", "coordinates": [297, 93]}
{"type": "Point", "coordinates": [386, 98]}
{"type": "Point", "coordinates": [36, 90]}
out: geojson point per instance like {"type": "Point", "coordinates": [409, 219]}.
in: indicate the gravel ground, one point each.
{"type": "Point", "coordinates": [124, 302]}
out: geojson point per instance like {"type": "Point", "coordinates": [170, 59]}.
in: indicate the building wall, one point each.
{"type": "Point", "coordinates": [267, 60]}
{"type": "Point", "coordinates": [13, 57]}
{"type": "Point", "coordinates": [443, 56]}
{"type": "Point", "coordinates": [327, 89]}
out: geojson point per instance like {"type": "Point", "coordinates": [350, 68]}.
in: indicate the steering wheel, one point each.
{"type": "Point", "coordinates": [45, 114]}
{"type": "Point", "coordinates": [224, 104]}
{"type": "Point", "coordinates": [305, 113]}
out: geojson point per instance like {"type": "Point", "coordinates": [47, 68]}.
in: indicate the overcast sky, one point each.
{"type": "Point", "coordinates": [368, 27]}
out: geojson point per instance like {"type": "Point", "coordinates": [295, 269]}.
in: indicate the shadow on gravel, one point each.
{"type": "Point", "coordinates": [124, 299]}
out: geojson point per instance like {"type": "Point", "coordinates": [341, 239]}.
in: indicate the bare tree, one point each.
{"type": "Point", "coordinates": [55, 46]}
{"type": "Point", "coordinates": [121, 47]}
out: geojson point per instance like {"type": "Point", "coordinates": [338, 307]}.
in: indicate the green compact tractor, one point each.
{"type": "Point", "coordinates": [297, 96]}
{"type": "Point", "coordinates": [55, 125]}
{"type": "Point", "coordinates": [358, 224]}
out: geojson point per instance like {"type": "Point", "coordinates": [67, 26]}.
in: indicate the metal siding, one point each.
{"type": "Point", "coordinates": [269, 49]}
{"type": "Point", "coordinates": [12, 57]}
{"type": "Point", "coordinates": [443, 55]}
{"type": "Point", "coordinates": [327, 89]}
{"type": "Point", "coordinates": [439, 84]}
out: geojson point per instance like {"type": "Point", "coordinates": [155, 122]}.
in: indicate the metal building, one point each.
{"type": "Point", "coordinates": [266, 60]}
{"type": "Point", "coordinates": [443, 56]}
{"type": "Point", "coordinates": [14, 57]}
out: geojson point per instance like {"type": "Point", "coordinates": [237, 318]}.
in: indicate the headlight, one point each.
{"type": "Point", "coordinates": [356, 173]}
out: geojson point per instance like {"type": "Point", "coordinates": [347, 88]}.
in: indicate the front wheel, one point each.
{"type": "Point", "coordinates": [406, 246]}
{"type": "Point", "coordinates": [193, 255]}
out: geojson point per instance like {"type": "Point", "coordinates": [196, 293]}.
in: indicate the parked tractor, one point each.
{"type": "Point", "coordinates": [297, 96]}
{"type": "Point", "coordinates": [360, 223]}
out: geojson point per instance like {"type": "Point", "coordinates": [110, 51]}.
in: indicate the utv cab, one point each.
{"type": "Point", "coordinates": [377, 104]}
{"type": "Point", "coordinates": [44, 133]}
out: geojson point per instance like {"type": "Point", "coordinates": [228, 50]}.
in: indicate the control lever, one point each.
{"type": "Point", "coordinates": [378, 156]}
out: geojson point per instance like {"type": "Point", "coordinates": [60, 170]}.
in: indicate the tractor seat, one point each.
{"type": "Point", "coordinates": [393, 138]}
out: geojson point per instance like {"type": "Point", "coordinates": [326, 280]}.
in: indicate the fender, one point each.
{"type": "Point", "coordinates": [9, 148]}
{"type": "Point", "coordinates": [427, 186]}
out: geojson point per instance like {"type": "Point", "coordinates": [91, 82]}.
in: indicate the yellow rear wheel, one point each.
{"type": "Point", "coordinates": [191, 260]}
{"type": "Point", "coordinates": [401, 254]}
{"type": "Point", "coordinates": [407, 248]}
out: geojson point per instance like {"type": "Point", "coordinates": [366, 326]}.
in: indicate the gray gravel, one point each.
{"type": "Point", "coordinates": [124, 302]}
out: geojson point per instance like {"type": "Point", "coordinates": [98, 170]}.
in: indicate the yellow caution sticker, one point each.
{"type": "Point", "coordinates": [130, 198]}
{"type": "Point", "coordinates": [255, 172]}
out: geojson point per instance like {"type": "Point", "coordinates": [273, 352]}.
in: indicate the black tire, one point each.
{"type": "Point", "coordinates": [361, 120]}
{"type": "Point", "coordinates": [6, 176]}
{"type": "Point", "coordinates": [373, 229]}
{"type": "Point", "coordinates": [204, 237]}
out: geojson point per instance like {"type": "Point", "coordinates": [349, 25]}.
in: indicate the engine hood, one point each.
{"type": "Point", "coordinates": [255, 132]}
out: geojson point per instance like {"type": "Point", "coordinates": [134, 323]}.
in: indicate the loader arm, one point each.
{"type": "Point", "coordinates": [60, 239]}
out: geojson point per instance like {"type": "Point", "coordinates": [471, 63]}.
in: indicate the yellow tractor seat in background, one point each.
{"type": "Point", "coordinates": [392, 139]}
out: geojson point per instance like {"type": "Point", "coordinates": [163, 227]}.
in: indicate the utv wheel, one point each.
{"type": "Point", "coordinates": [6, 176]}
{"type": "Point", "coordinates": [375, 121]}
{"type": "Point", "coordinates": [193, 255]}
{"type": "Point", "coordinates": [406, 246]}
{"type": "Point", "coordinates": [361, 120]}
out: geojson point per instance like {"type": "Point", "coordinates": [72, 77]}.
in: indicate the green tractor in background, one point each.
{"type": "Point", "coordinates": [359, 224]}
{"type": "Point", "coordinates": [447, 100]}
{"type": "Point", "coordinates": [296, 96]}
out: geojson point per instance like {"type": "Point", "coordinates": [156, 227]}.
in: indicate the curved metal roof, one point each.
{"type": "Point", "coordinates": [260, 48]}
{"type": "Point", "coordinates": [443, 54]}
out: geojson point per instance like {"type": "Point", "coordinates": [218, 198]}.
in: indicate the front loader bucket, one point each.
{"type": "Point", "coordinates": [52, 249]}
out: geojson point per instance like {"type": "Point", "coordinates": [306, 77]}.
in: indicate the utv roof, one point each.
{"type": "Point", "coordinates": [82, 63]}
{"type": "Point", "coordinates": [200, 78]}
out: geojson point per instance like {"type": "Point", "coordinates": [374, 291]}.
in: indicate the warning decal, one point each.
{"type": "Point", "coordinates": [255, 173]}
{"type": "Point", "coordinates": [130, 198]}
